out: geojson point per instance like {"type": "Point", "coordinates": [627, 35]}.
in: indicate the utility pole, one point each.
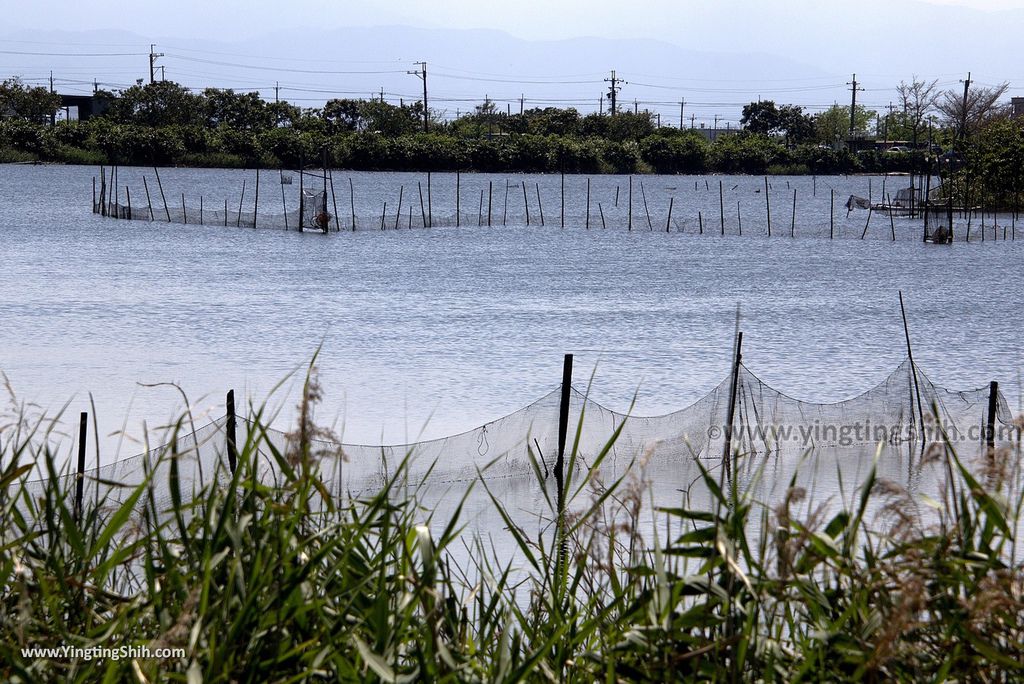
{"type": "Point", "coordinates": [636, 107]}
{"type": "Point", "coordinates": [277, 88]}
{"type": "Point", "coordinates": [422, 74]}
{"type": "Point", "coordinates": [153, 54]}
{"type": "Point", "coordinates": [963, 113]}
{"type": "Point", "coordinates": [163, 75]}
{"type": "Point", "coordinates": [682, 103]}
{"type": "Point", "coordinates": [522, 100]}
{"type": "Point", "coordinates": [95, 86]}
{"type": "Point", "coordinates": [613, 91]}
{"type": "Point", "coordinates": [53, 116]}
{"type": "Point", "coordinates": [693, 118]}
{"type": "Point", "coordinates": [853, 105]}
{"type": "Point", "coordinates": [891, 109]}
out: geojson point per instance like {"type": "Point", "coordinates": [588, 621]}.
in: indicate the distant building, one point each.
{"type": "Point", "coordinates": [712, 134]}
{"type": "Point", "coordinates": [1017, 104]}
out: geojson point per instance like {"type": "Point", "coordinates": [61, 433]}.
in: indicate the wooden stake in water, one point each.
{"type": "Point", "coordinates": [398, 214]}
{"type": "Point", "coordinates": [504, 207]}
{"type": "Point", "coordinates": [480, 211]}
{"type": "Point", "coordinates": [201, 211]}
{"type": "Point", "coordinates": [990, 423]}
{"type": "Point", "coordinates": [184, 213]}
{"type": "Point", "coordinates": [352, 201]}
{"type": "Point", "coordinates": [643, 194]}
{"type": "Point", "coordinates": [164, 198]}
{"type": "Point", "coordinates": [334, 200]}
{"type": "Point", "coordinates": [430, 204]}
{"type": "Point", "coordinates": [588, 203]}
{"type": "Point", "coordinates": [383, 215]}
{"type": "Point", "coordinates": [225, 212]}
{"type": "Point", "coordinates": [149, 203]}
{"type": "Point", "coordinates": [721, 205]}
{"type": "Point", "coordinates": [563, 200]}
{"type": "Point", "coordinates": [230, 430]}
{"type": "Point", "coordinates": [668, 221]}
{"type": "Point", "coordinates": [814, 188]}
{"type": "Point", "coordinates": [238, 220]}
{"type": "Point", "coordinates": [792, 223]}
{"type": "Point", "coordinates": [490, 196]}
{"type": "Point", "coordinates": [892, 224]}
{"type": "Point", "coordinates": [526, 204]}
{"type": "Point", "coordinates": [630, 211]}
{"type": "Point", "coordinates": [128, 199]}
{"type": "Point", "coordinates": [700, 222]}
{"type": "Point", "coordinates": [739, 218]}
{"type": "Point", "coordinates": [768, 206]}
{"type": "Point", "coordinates": [831, 213]}
{"type": "Point", "coordinates": [458, 199]}
{"type": "Point", "coordinates": [423, 211]}
{"type": "Point", "coordinates": [616, 197]}
{"type": "Point", "coordinates": [540, 207]}
{"type": "Point", "coordinates": [256, 202]}
{"type": "Point", "coordinates": [599, 209]}
{"type": "Point", "coordinates": [94, 207]}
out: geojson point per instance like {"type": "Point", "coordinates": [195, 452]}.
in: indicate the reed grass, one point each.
{"type": "Point", "coordinates": [285, 583]}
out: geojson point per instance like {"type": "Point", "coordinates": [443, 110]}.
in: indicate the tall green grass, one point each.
{"type": "Point", "coordinates": [284, 583]}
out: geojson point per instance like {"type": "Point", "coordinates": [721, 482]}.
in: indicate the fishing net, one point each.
{"type": "Point", "coordinates": [815, 442]}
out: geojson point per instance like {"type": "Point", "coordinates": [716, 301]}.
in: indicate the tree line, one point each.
{"type": "Point", "coordinates": [166, 123]}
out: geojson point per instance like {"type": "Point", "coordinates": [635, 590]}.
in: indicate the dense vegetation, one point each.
{"type": "Point", "coordinates": [167, 124]}
{"type": "Point", "coordinates": [255, 583]}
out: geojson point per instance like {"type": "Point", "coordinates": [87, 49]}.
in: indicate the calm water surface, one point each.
{"type": "Point", "coordinates": [436, 331]}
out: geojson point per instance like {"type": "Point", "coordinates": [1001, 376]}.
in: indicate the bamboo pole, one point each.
{"type": "Point", "coordinates": [334, 200]}
{"type": "Point", "coordinates": [739, 218]}
{"type": "Point", "coordinates": [892, 223]}
{"type": "Point", "coordinates": [383, 215]}
{"type": "Point", "coordinates": [95, 209]}
{"type": "Point", "coordinates": [526, 204]}
{"type": "Point", "coordinates": [128, 199]}
{"type": "Point", "coordinates": [284, 201]}
{"type": "Point", "coordinates": [490, 196]}
{"type": "Point", "coordinates": [721, 205]}
{"type": "Point", "coordinates": [162, 196]}
{"type": "Point", "coordinates": [700, 222]}
{"type": "Point", "coordinates": [480, 210]}
{"type": "Point", "coordinates": [588, 203]}
{"type": "Point", "coordinates": [184, 213]}
{"type": "Point", "coordinates": [225, 211]}
{"type": "Point", "coordinates": [352, 202]}
{"type": "Point", "coordinates": [643, 194]}
{"type": "Point", "coordinates": [540, 206]}
{"type": "Point", "coordinates": [563, 199]}
{"type": "Point", "coordinates": [149, 203]}
{"type": "Point", "coordinates": [83, 426]}
{"type": "Point", "coordinates": [256, 201]}
{"type": "Point", "coordinates": [831, 213]}
{"type": "Point", "coordinates": [241, 198]}
{"type": "Point", "coordinates": [792, 223]}
{"type": "Point", "coordinates": [423, 211]}
{"type": "Point", "coordinates": [768, 206]}
{"type": "Point", "coordinates": [504, 208]}
{"type": "Point", "coordinates": [668, 221]}
{"type": "Point", "coordinates": [913, 367]}
{"type": "Point", "coordinates": [603, 225]}
{"type": "Point", "coordinates": [201, 211]}
{"type": "Point", "coordinates": [430, 203]}
{"type": "Point", "coordinates": [398, 214]}
{"type": "Point", "coordinates": [458, 196]}
{"type": "Point", "coordinates": [866, 223]}
{"type": "Point", "coordinates": [630, 209]}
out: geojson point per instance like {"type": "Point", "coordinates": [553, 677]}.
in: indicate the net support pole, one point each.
{"type": "Point", "coordinates": [430, 203]}
{"type": "Point", "coordinates": [768, 206]}
{"type": "Point", "coordinates": [721, 205]}
{"type": "Point", "coordinates": [232, 445]}
{"type": "Point", "coordinates": [458, 198]}
{"type": "Point", "coordinates": [730, 414]}
{"type": "Point", "coordinates": [83, 426]}
{"type": "Point", "coordinates": [163, 197]}
{"type": "Point", "coordinates": [284, 203]}
{"type": "Point", "coordinates": [256, 201]}
{"type": "Point", "coordinates": [352, 202]}
{"type": "Point", "coordinates": [913, 366]}
{"type": "Point", "coordinates": [990, 422]}
{"type": "Point", "coordinates": [629, 210]}
{"type": "Point", "coordinates": [668, 221]}
{"type": "Point", "coordinates": [334, 200]}
{"type": "Point", "coordinates": [563, 428]}
{"type": "Point", "coordinates": [588, 204]}
{"type": "Point", "coordinates": [490, 197]}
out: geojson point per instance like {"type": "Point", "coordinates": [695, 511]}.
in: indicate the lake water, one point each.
{"type": "Point", "coordinates": [431, 332]}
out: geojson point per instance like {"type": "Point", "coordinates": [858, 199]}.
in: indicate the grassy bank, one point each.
{"type": "Point", "coordinates": [255, 582]}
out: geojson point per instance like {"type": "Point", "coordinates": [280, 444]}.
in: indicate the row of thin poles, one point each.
{"type": "Point", "coordinates": [486, 212]}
